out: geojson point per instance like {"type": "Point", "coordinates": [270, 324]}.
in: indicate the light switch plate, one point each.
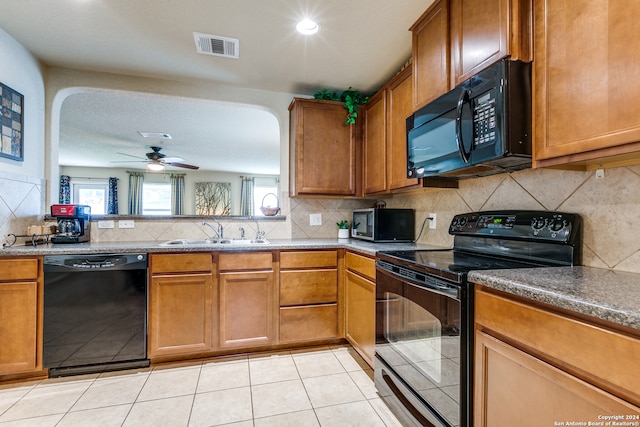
{"type": "Point", "coordinates": [126, 223]}
{"type": "Point", "coordinates": [106, 224]}
{"type": "Point", "coordinates": [315, 219]}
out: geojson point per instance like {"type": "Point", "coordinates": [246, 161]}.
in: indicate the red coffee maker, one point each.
{"type": "Point", "coordinates": [73, 223]}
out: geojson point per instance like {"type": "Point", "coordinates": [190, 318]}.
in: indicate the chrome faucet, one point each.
{"type": "Point", "coordinates": [218, 230]}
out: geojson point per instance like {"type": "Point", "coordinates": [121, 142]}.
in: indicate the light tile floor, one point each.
{"type": "Point", "coordinates": [328, 386]}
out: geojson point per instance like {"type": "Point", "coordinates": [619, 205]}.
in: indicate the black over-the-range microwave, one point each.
{"type": "Point", "coordinates": [482, 127]}
{"type": "Point", "coordinates": [383, 225]}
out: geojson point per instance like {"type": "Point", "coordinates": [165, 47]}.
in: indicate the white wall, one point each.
{"type": "Point", "coordinates": [21, 71]}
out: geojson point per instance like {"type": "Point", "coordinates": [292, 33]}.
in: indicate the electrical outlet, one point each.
{"type": "Point", "coordinates": [315, 219]}
{"type": "Point", "coordinates": [126, 223]}
{"type": "Point", "coordinates": [599, 173]}
{"type": "Point", "coordinates": [106, 224]}
{"type": "Point", "coordinates": [432, 221]}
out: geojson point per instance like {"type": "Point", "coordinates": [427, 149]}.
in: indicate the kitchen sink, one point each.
{"type": "Point", "coordinates": [208, 242]}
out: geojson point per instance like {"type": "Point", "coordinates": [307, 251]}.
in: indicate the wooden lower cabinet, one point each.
{"type": "Point", "coordinates": [246, 309]}
{"type": "Point", "coordinates": [560, 368]}
{"type": "Point", "coordinates": [516, 388]}
{"type": "Point", "coordinates": [180, 314]}
{"type": "Point", "coordinates": [181, 302]}
{"type": "Point", "coordinates": [360, 300]}
{"type": "Point", "coordinates": [20, 316]}
{"type": "Point", "coordinates": [308, 323]}
{"type": "Point", "coordinates": [308, 296]}
{"type": "Point", "coordinates": [247, 300]}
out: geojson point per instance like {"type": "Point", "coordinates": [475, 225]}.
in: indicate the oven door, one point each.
{"type": "Point", "coordinates": [422, 348]}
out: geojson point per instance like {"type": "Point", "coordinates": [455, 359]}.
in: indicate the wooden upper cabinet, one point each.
{"type": "Point", "coordinates": [485, 31]}
{"type": "Point", "coordinates": [455, 39]}
{"type": "Point", "coordinates": [323, 149]}
{"type": "Point", "coordinates": [399, 107]}
{"type": "Point", "coordinates": [430, 48]}
{"type": "Point", "coordinates": [586, 90]}
{"type": "Point", "coordinates": [385, 136]}
{"type": "Point", "coordinates": [375, 158]}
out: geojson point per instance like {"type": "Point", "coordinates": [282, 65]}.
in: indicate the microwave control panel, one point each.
{"type": "Point", "coordinates": [484, 119]}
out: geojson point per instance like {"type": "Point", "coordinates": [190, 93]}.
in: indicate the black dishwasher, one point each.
{"type": "Point", "coordinates": [95, 313]}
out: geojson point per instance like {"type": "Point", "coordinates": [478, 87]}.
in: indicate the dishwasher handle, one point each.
{"type": "Point", "coordinates": [94, 262]}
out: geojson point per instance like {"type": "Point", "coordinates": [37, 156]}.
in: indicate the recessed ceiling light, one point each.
{"type": "Point", "coordinates": [307, 27]}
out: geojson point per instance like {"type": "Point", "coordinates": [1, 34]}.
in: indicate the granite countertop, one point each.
{"type": "Point", "coordinates": [609, 295]}
{"type": "Point", "coordinates": [367, 248]}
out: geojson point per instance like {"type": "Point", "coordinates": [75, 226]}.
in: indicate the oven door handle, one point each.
{"type": "Point", "coordinates": [446, 291]}
{"type": "Point", "coordinates": [431, 286]}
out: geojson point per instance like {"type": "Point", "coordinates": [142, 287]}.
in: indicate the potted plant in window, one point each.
{"type": "Point", "coordinates": [343, 229]}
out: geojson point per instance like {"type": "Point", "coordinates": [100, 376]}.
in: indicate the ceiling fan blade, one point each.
{"type": "Point", "coordinates": [131, 155]}
{"type": "Point", "coordinates": [129, 161]}
{"type": "Point", "coordinates": [171, 159]}
{"type": "Point", "coordinates": [182, 165]}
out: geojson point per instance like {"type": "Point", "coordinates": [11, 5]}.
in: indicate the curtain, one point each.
{"type": "Point", "coordinates": [112, 202]}
{"type": "Point", "coordinates": [177, 194]}
{"type": "Point", "coordinates": [136, 179]}
{"type": "Point", "coordinates": [246, 197]}
{"type": "Point", "coordinates": [65, 189]}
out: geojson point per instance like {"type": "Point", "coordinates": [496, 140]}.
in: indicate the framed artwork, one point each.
{"type": "Point", "coordinates": [11, 134]}
{"type": "Point", "coordinates": [213, 198]}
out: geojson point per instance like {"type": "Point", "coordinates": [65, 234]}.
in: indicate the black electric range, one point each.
{"type": "Point", "coordinates": [424, 307]}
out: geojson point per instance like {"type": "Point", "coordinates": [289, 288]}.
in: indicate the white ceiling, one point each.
{"type": "Point", "coordinates": [361, 43]}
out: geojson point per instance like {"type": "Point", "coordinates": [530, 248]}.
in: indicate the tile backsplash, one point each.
{"type": "Point", "coordinates": [22, 203]}
{"type": "Point", "coordinates": [610, 207]}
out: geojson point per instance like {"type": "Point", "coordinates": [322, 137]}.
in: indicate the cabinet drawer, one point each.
{"type": "Point", "coordinates": [308, 323]}
{"type": "Point", "coordinates": [308, 287]}
{"type": "Point", "coordinates": [601, 355]}
{"type": "Point", "coordinates": [308, 259]}
{"type": "Point", "coordinates": [246, 261]}
{"type": "Point", "coordinates": [362, 265]}
{"type": "Point", "coordinates": [19, 269]}
{"type": "Point", "coordinates": [180, 263]}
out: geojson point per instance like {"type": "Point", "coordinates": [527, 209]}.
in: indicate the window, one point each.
{"type": "Point", "coordinates": [262, 187]}
{"type": "Point", "coordinates": [92, 194]}
{"type": "Point", "coordinates": [156, 199]}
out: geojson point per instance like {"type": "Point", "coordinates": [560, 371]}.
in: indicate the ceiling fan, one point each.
{"type": "Point", "coordinates": [157, 161]}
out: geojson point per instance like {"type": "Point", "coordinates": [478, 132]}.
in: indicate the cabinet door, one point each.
{"type": "Point", "coordinates": [375, 155]}
{"type": "Point", "coordinates": [430, 47]}
{"type": "Point", "coordinates": [360, 315]}
{"type": "Point", "coordinates": [323, 156]}
{"type": "Point", "coordinates": [546, 396]}
{"type": "Point", "coordinates": [247, 309]}
{"type": "Point", "coordinates": [399, 107]}
{"type": "Point", "coordinates": [479, 35]}
{"type": "Point", "coordinates": [586, 90]}
{"type": "Point", "coordinates": [18, 327]}
{"type": "Point", "coordinates": [180, 314]}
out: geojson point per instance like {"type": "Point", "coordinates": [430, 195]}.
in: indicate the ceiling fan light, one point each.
{"type": "Point", "coordinates": [155, 167]}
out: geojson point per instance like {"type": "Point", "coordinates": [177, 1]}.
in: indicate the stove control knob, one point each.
{"type": "Point", "coordinates": [537, 223]}
{"type": "Point", "coordinates": [558, 224]}
{"type": "Point", "coordinates": [463, 221]}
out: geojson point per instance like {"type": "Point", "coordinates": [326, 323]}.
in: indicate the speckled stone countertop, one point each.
{"type": "Point", "coordinates": [368, 248]}
{"type": "Point", "coordinates": [609, 295]}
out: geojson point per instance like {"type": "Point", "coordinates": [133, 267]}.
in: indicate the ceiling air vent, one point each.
{"type": "Point", "coordinates": [217, 45]}
{"type": "Point", "coordinates": [159, 135]}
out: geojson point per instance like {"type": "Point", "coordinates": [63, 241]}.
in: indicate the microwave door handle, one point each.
{"type": "Point", "coordinates": [465, 97]}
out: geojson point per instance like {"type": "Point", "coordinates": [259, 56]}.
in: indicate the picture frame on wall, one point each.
{"type": "Point", "coordinates": [12, 126]}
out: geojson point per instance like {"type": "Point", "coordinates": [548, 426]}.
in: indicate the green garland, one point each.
{"type": "Point", "coordinates": [351, 99]}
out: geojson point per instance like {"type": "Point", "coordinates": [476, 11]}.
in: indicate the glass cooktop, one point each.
{"type": "Point", "coordinates": [449, 263]}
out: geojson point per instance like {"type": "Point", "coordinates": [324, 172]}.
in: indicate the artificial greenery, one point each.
{"type": "Point", "coordinates": [351, 99]}
{"type": "Point", "coordinates": [344, 224]}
